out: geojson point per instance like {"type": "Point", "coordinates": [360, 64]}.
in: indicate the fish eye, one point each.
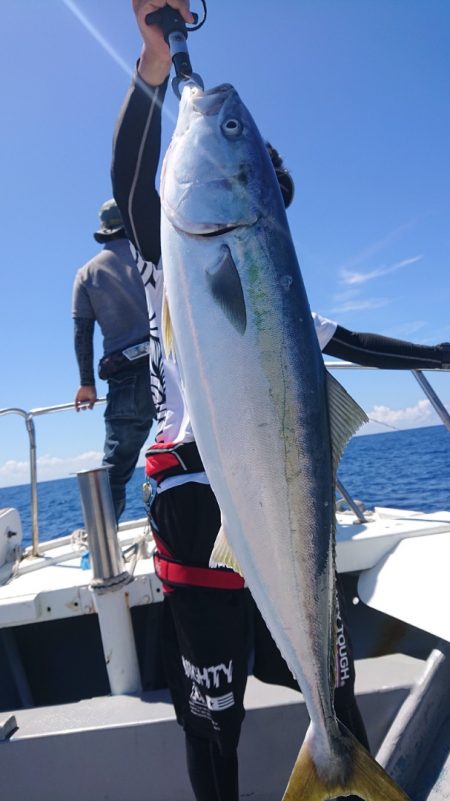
{"type": "Point", "coordinates": [232, 127]}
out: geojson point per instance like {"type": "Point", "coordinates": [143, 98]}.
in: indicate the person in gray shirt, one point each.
{"type": "Point", "coordinates": [109, 290]}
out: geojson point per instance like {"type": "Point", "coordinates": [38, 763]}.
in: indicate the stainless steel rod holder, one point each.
{"type": "Point", "coordinates": [101, 527]}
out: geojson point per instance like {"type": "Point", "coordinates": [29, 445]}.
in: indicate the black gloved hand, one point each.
{"type": "Point", "coordinates": [445, 348]}
{"type": "Point", "coordinates": [284, 178]}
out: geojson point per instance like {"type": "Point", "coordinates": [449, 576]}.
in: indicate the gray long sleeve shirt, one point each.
{"type": "Point", "coordinates": [108, 290]}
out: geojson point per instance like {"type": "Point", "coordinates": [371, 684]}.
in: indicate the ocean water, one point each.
{"type": "Point", "coordinates": [405, 469]}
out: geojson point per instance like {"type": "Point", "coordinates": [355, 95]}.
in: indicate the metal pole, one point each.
{"type": "Point", "coordinates": [33, 486]}
{"type": "Point", "coordinates": [28, 417]}
{"type": "Point", "coordinates": [407, 744]}
{"type": "Point", "coordinates": [359, 514]}
{"type": "Point", "coordinates": [109, 581]}
{"type": "Point", "coordinates": [101, 527]}
{"type": "Point", "coordinates": [438, 406]}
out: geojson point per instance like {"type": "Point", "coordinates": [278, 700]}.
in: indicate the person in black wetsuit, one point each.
{"type": "Point", "coordinates": [207, 625]}
{"type": "Point", "coordinates": [366, 349]}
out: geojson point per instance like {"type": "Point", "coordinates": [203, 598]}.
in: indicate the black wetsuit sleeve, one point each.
{"type": "Point", "coordinates": [136, 153]}
{"type": "Point", "coordinates": [374, 350]}
{"type": "Point", "coordinates": [84, 349]}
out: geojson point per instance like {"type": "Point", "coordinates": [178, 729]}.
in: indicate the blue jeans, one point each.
{"type": "Point", "coordinates": [128, 418]}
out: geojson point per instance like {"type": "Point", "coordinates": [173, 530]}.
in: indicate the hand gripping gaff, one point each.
{"type": "Point", "coordinates": [175, 33]}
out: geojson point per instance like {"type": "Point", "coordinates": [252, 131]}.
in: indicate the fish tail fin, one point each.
{"type": "Point", "coordinates": [166, 326]}
{"type": "Point", "coordinates": [360, 775]}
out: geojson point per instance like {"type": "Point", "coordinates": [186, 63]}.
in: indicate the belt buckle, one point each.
{"type": "Point", "coordinates": [149, 490]}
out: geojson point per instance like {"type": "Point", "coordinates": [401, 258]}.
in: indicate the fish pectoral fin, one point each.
{"type": "Point", "coordinates": [222, 555]}
{"type": "Point", "coordinates": [364, 777]}
{"type": "Point", "coordinates": [225, 286]}
{"type": "Point", "coordinates": [346, 416]}
{"type": "Point", "coordinates": [166, 327]}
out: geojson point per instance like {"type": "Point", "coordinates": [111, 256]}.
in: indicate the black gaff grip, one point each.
{"type": "Point", "coordinates": [175, 34]}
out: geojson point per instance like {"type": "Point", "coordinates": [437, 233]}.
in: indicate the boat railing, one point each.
{"type": "Point", "coordinates": [64, 407]}
{"type": "Point", "coordinates": [435, 401]}
{"type": "Point", "coordinates": [30, 427]}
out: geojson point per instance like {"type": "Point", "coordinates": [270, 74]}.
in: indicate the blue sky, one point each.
{"type": "Point", "coordinates": [355, 95]}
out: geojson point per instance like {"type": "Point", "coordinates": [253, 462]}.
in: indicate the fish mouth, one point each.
{"type": "Point", "coordinates": [220, 231]}
{"type": "Point", "coordinates": [212, 231]}
{"type": "Point", "coordinates": [210, 101]}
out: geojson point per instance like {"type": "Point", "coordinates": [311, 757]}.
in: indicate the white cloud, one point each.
{"type": "Point", "coordinates": [50, 467]}
{"type": "Point", "coordinates": [13, 472]}
{"type": "Point", "coordinates": [359, 304]}
{"type": "Point", "coordinates": [408, 329]}
{"type": "Point", "coordinates": [351, 298]}
{"type": "Point", "coordinates": [351, 278]}
{"type": "Point", "coordinates": [381, 244]}
{"type": "Point", "coordinates": [382, 418]}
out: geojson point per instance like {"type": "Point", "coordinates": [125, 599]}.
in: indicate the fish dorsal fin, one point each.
{"type": "Point", "coordinates": [166, 327]}
{"type": "Point", "coordinates": [225, 286]}
{"type": "Point", "coordinates": [222, 555]}
{"type": "Point", "coordinates": [346, 416]}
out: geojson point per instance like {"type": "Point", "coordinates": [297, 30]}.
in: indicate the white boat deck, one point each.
{"type": "Point", "coordinates": [360, 546]}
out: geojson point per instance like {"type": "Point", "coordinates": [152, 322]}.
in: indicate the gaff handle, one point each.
{"type": "Point", "coordinates": [175, 34]}
{"type": "Point", "coordinates": [169, 20]}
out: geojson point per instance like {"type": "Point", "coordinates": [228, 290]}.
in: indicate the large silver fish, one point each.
{"type": "Point", "coordinates": [269, 421]}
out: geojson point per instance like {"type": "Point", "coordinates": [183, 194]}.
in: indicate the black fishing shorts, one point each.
{"type": "Point", "coordinates": [206, 632]}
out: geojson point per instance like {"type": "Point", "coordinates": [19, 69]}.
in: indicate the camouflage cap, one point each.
{"type": "Point", "coordinates": [110, 221]}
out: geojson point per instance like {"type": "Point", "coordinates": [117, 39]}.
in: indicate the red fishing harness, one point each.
{"type": "Point", "coordinates": [170, 459]}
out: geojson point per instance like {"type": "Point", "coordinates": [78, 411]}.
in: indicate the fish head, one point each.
{"type": "Point", "coordinates": [217, 174]}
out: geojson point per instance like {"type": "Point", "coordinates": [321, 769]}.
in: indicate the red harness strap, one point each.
{"type": "Point", "coordinates": [175, 574]}
{"type": "Point", "coordinates": [163, 460]}
{"type": "Point", "coordinates": [160, 459]}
